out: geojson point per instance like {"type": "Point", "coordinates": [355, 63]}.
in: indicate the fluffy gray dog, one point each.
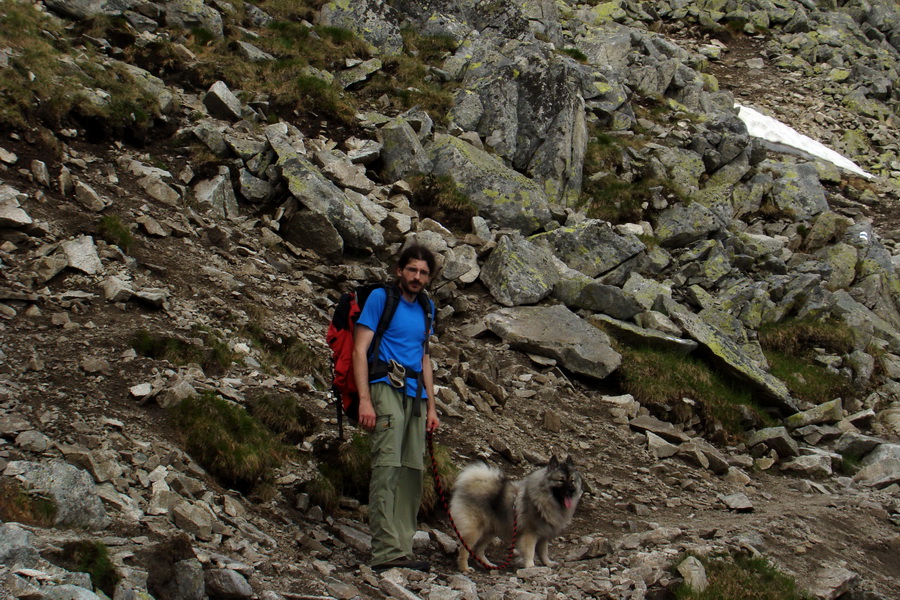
{"type": "Point", "coordinates": [544, 502]}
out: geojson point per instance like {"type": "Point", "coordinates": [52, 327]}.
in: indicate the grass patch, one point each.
{"type": "Point", "coordinates": [604, 195]}
{"type": "Point", "coordinates": [659, 379]}
{"type": "Point", "coordinates": [576, 54]}
{"type": "Point", "coordinates": [232, 445]}
{"type": "Point", "coordinates": [439, 198]}
{"type": "Point", "coordinates": [743, 578]}
{"type": "Point", "coordinates": [798, 337]}
{"type": "Point", "coordinates": [284, 416]}
{"type": "Point", "coordinates": [93, 558]}
{"type": "Point", "coordinates": [344, 468]}
{"type": "Point", "coordinates": [114, 231]}
{"type": "Point", "coordinates": [22, 506]}
{"type": "Point", "coordinates": [447, 471]}
{"type": "Point", "coordinates": [789, 348]}
{"type": "Point", "coordinates": [287, 354]}
{"type": "Point", "coordinates": [213, 356]}
{"type": "Point", "coordinates": [408, 79]}
{"type": "Point", "coordinates": [49, 82]}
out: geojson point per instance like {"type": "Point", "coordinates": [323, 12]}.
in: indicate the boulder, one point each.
{"type": "Point", "coordinates": [221, 103]}
{"type": "Point", "coordinates": [633, 334]}
{"type": "Point", "coordinates": [558, 333]}
{"type": "Point", "coordinates": [501, 194]}
{"type": "Point", "coordinates": [881, 467]}
{"type": "Point", "coordinates": [684, 224]}
{"type": "Point", "coordinates": [375, 21]}
{"type": "Point", "coordinates": [519, 272]}
{"type": "Point", "coordinates": [591, 247]}
{"type": "Point", "coordinates": [527, 102]}
{"type": "Point", "coordinates": [70, 488]}
{"type": "Point", "coordinates": [320, 196]}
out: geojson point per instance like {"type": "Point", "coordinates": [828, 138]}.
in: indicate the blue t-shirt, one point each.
{"type": "Point", "coordinates": [404, 338]}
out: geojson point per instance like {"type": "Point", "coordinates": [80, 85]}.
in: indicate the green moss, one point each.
{"type": "Point", "coordinates": [228, 442]}
{"type": "Point", "coordinates": [743, 578]}
{"type": "Point", "coordinates": [23, 506]}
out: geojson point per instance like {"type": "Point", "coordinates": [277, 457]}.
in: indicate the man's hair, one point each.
{"type": "Point", "coordinates": [417, 252]}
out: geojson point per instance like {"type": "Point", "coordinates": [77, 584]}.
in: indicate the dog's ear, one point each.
{"type": "Point", "coordinates": [569, 461]}
{"type": "Point", "coordinates": [553, 462]}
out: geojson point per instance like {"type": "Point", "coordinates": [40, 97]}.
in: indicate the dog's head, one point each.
{"type": "Point", "coordinates": [565, 482]}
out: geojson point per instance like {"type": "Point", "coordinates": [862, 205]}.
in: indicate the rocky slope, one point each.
{"type": "Point", "coordinates": [277, 215]}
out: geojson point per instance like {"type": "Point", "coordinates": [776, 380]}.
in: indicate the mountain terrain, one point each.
{"type": "Point", "coordinates": [187, 187]}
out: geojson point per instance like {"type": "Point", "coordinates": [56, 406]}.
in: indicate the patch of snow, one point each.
{"type": "Point", "coordinates": [786, 139]}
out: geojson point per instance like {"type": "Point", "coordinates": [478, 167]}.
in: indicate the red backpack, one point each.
{"type": "Point", "coordinates": [340, 339]}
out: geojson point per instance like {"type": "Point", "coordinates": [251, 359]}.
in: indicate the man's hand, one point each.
{"type": "Point", "coordinates": [432, 422]}
{"type": "Point", "coordinates": [366, 414]}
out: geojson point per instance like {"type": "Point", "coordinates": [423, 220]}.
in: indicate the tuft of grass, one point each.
{"type": "Point", "coordinates": [114, 231]}
{"type": "Point", "coordinates": [447, 471]}
{"type": "Point", "coordinates": [798, 337]}
{"type": "Point", "coordinates": [743, 578]}
{"type": "Point", "coordinates": [227, 441]}
{"type": "Point", "coordinates": [576, 54]}
{"type": "Point", "coordinates": [93, 558]}
{"type": "Point", "coordinates": [214, 357]}
{"type": "Point", "coordinates": [284, 416]}
{"type": "Point", "coordinates": [789, 348]}
{"type": "Point", "coordinates": [344, 468]}
{"type": "Point", "coordinates": [659, 378]}
{"type": "Point", "coordinates": [438, 197]}
{"type": "Point", "coordinates": [21, 506]}
{"type": "Point", "coordinates": [408, 80]}
{"type": "Point", "coordinates": [321, 98]}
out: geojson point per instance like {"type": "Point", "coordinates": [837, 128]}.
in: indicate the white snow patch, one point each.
{"type": "Point", "coordinates": [786, 139]}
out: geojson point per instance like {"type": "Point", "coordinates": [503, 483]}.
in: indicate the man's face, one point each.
{"type": "Point", "coordinates": [413, 278]}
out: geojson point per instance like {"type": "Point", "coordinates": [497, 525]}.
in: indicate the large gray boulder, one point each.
{"type": "Point", "coordinates": [216, 195]}
{"type": "Point", "coordinates": [374, 21]}
{"type": "Point", "coordinates": [591, 246]}
{"type": "Point", "coordinates": [586, 293]}
{"type": "Point", "coordinates": [501, 195]}
{"type": "Point", "coordinates": [641, 336]}
{"type": "Point", "coordinates": [193, 14]}
{"type": "Point", "coordinates": [315, 192]}
{"type": "Point", "coordinates": [729, 356]}
{"type": "Point", "coordinates": [402, 152]}
{"type": "Point", "coordinates": [529, 110]}
{"type": "Point", "coordinates": [71, 489]}
{"type": "Point", "coordinates": [519, 272]}
{"type": "Point", "coordinates": [558, 333]}
{"type": "Point", "coordinates": [82, 9]}
{"type": "Point", "coordinates": [684, 224]}
{"type": "Point", "coordinates": [797, 190]}
{"type": "Point", "coordinates": [16, 547]}
{"type": "Point", "coordinates": [881, 467]}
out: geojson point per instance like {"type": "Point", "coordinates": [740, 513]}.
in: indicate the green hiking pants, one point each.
{"type": "Point", "coordinates": [395, 489]}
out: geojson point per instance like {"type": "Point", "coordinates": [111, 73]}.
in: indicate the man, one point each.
{"type": "Point", "coordinates": [391, 407]}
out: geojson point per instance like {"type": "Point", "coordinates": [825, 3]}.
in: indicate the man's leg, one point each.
{"type": "Point", "coordinates": [406, 507]}
{"type": "Point", "coordinates": [387, 541]}
{"type": "Point", "coordinates": [409, 485]}
{"type": "Point", "coordinates": [386, 468]}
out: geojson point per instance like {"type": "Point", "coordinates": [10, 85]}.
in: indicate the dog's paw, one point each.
{"type": "Point", "coordinates": [549, 563]}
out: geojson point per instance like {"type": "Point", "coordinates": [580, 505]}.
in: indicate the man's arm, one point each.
{"type": "Point", "coordinates": [432, 422]}
{"type": "Point", "coordinates": [362, 338]}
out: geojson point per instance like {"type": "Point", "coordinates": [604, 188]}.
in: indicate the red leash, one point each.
{"type": "Point", "coordinates": [441, 492]}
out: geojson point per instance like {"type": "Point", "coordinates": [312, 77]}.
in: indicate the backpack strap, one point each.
{"type": "Point", "coordinates": [391, 302]}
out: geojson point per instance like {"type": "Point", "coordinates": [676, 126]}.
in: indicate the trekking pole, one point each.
{"type": "Point", "coordinates": [429, 436]}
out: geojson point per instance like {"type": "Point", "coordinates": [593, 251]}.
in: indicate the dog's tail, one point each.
{"type": "Point", "coordinates": [478, 479]}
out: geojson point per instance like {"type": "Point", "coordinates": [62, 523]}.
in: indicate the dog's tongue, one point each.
{"type": "Point", "coordinates": [567, 501]}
